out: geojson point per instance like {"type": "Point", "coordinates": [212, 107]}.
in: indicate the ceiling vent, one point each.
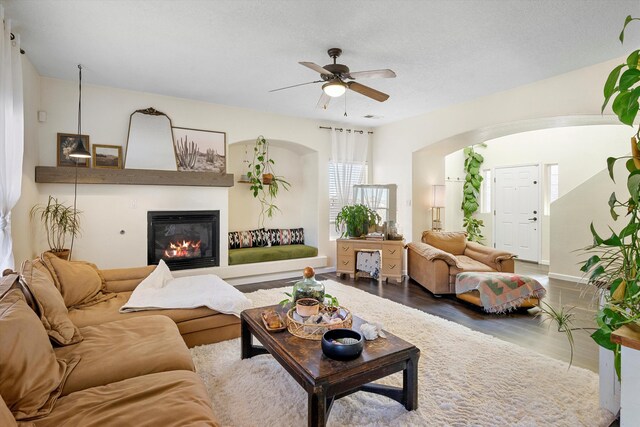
{"type": "Point", "coordinates": [371, 116]}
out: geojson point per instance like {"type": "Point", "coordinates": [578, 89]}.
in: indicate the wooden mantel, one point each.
{"type": "Point", "coordinates": [67, 175]}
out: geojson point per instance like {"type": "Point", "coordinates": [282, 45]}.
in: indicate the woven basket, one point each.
{"type": "Point", "coordinates": [315, 331]}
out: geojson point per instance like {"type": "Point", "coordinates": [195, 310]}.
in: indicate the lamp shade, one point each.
{"type": "Point", "coordinates": [438, 196]}
{"type": "Point", "coordinates": [334, 88]}
{"type": "Point", "coordinates": [80, 152]}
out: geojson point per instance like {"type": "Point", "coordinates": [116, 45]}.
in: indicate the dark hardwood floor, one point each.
{"type": "Point", "coordinates": [518, 327]}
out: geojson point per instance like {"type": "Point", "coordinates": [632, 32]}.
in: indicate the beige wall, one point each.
{"type": "Point", "coordinates": [572, 216]}
{"type": "Point", "coordinates": [427, 138]}
{"type": "Point", "coordinates": [579, 151]}
{"type": "Point", "coordinates": [108, 209]}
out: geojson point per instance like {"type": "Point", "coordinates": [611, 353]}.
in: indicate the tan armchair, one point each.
{"type": "Point", "coordinates": [436, 261]}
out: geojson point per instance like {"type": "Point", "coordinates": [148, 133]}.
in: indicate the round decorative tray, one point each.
{"type": "Point", "coordinates": [314, 331]}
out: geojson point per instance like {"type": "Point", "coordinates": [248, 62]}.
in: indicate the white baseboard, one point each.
{"type": "Point", "coordinates": [544, 262]}
{"type": "Point", "coordinates": [568, 278]}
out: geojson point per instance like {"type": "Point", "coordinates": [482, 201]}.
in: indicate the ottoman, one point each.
{"type": "Point", "coordinates": [499, 292]}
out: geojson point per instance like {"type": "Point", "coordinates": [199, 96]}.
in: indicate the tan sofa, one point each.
{"type": "Point", "coordinates": [197, 326]}
{"type": "Point", "coordinates": [435, 262]}
{"type": "Point", "coordinates": [133, 371]}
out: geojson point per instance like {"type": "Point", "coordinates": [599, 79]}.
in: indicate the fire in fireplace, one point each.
{"type": "Point", "coordinates": [184, 239]}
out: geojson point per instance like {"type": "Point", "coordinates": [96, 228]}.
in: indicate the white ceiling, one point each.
{"type": "Point", "coordinates": [233, 52]}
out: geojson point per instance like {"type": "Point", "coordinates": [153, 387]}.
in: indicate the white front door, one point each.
{"type": "Point", "coordinates": [517, 211]}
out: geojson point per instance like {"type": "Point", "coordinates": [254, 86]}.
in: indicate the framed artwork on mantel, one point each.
{"type": "Point", "coordinates": [66, 144]}
{"type": "Point", "coordinates": [200, 150]}
{"type": "Point", "coordinates": [107, 156]}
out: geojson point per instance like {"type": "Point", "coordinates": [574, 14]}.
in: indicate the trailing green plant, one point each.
{"type": "Point", "coordinates": [59, 221]}
{"type": "Point", "coordinates": [613, 266]}
{"type": "Point", "coordinates": [471, 193]}
{"type": "Point", "coordinates": [355, 220]}
{"type": "Point", "coordinates": [474, 228]}
{"type": "Point", "coordinates": [265, 184]}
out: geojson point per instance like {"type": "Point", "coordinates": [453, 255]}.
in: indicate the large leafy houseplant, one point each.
{"type": "Point", "coordinates": [355, 220]}
{"type": "Point", "coordinates": [265, 184]}
{"type": "Point", "coordinates": [59, 221]}
{"type": "Point", "coordinates": [471, 193]}
{"type": "Point", "coordinates": [613, 266]}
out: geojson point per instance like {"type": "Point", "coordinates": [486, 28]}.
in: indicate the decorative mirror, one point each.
{"type": "Point", "coordinates": [150, 141]}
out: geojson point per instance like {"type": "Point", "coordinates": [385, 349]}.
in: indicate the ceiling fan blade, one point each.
{"type": "Point", "coordinates": [316, 67]}
{"type": "Point", "coordinates": [301, 84]}
{"type": "Point", "coordinates": [323, 102]}
{"type": "Point", "coordinates": [372, 74]}
{"type": "Point", "coordinates": [367, 91]}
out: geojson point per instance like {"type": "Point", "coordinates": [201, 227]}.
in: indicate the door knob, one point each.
{"type": "Point", "coordinates": [534, 219]}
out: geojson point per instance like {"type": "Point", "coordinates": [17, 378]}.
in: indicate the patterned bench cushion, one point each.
{"type": "Point", "coordinates": [269, 237]}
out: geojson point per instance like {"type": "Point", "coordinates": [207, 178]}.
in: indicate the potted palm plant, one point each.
{"type": "Point", "coordinates": [265, 184]}
{"type": "Point", "coordinates": [355, 220]}
{"type": "Point", "coordinates": [59, 221]}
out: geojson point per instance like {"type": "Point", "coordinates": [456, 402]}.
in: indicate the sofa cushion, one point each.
{"type": "Point", "coordinates": [6, 417]}
{"type": "Point", "coordinates": [107, 311]}
{"type": "Point", "coordinates": [79, 282]}
{"type": "Point", "coordinates": [175, 398]}
{"type": "Point", "coordinates": [53, 311]}
{"type": "Point", "coordinates": [453, 242]}
{"type": "Point", "coordinates": [274, 253]}
{"type": "Point", "coordinates": [31, 378]}
{"type": "Point", "coordinates": [466, 264]}
{"type": "Point", "coordinates": [151, 344]}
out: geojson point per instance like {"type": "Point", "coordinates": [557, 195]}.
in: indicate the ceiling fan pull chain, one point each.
{"type": "Point", "coordinates": [345, 104]}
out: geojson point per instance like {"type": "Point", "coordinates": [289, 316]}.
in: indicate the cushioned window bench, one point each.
{"type": "Point", "coordinates": [270, 253]}
{"type": "Point", "coordinates": [264, 245]}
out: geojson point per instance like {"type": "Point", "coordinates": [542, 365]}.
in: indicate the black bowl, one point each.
{"type": "Point", "coordinates": [338, 351]}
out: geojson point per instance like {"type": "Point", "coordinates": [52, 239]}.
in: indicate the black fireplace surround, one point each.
{"type": "Point", "coordinates": [184, 239]}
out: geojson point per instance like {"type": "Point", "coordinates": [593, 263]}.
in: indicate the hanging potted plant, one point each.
{"type": "Point", "coordinates": [59, 221]}
{"type": "Point", "coordinates": [355, 220]}
{"type": "Point", "coordinates": [265, 184]}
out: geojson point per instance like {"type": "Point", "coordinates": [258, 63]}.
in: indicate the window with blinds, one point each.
{"type": "Point", "coordinates": [358, 176]}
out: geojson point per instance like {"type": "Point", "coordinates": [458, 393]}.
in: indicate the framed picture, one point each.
{"type": "Point", "coordinates": [66, 144]}
{"type": "Point", "coordinates": [107, 156]}
{"type": "Point", "coordinates": [200, 150]}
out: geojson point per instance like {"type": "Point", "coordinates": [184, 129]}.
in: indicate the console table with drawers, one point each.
{"type": "Point", "coordinates": [391, 256]}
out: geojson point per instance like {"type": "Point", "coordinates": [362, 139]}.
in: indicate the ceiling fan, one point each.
{"type": "Point", "coordinates": [334, 77]}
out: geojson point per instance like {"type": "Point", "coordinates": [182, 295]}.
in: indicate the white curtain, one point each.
{"type": "Point", "coordinates": [373, 197]}
{"type": "Point", "coordinates": [11, 136]}
{"type": "Point", "coordinates": [348, 150]}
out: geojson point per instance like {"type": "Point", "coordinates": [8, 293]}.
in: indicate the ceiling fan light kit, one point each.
{"type": "Point", "coordinates": [334, 76]}
{"type": "Point", "coordinates": [334, 88]}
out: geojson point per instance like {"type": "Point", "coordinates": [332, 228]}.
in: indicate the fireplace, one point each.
{"type": "Point", "coordinates": [184, 239]}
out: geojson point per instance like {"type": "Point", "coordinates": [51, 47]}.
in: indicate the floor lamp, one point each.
{"type": "Point", "coordinates": [78, 154]}
{"type": "Point", "coordinates": [438, 204]}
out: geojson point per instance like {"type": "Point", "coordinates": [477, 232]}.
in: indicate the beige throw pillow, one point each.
{"type": "Point", "coordinates": [79, 282]}
{"type": "Point", "coordinates": [31, 378]}
{"type": "Point", "coordinates": [53, 311]}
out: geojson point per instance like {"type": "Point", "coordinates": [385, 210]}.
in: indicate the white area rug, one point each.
{"type": "Point", "coordinates": [466, 378]}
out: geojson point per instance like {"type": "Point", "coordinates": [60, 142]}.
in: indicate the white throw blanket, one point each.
{"type": "Point", "coordinates": [160, 290]}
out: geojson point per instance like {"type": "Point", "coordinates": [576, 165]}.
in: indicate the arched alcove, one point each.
{"type": "Point", "coordinates": [298, 164]}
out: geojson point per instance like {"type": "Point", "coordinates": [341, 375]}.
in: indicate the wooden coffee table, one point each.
{"type": "Point", "coordinates": [326, 380]}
